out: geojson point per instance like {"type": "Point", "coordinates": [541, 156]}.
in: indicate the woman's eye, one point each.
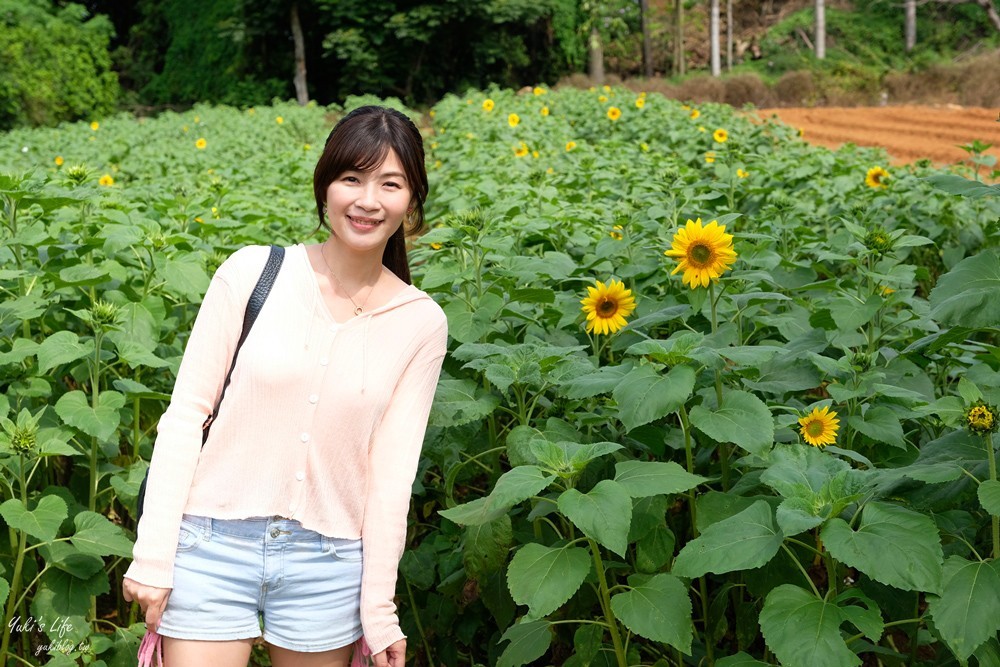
{"type": "Point", "coordinates": [392, 184]}
{"type": "Point", "coordinates": [350, 179]}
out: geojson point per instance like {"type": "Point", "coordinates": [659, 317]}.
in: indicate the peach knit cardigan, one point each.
{"type": "Point", "coordinates": [322, 422]}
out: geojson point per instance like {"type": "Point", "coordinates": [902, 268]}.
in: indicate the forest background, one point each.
{"type": "Point", "coordinates": [69, 61]}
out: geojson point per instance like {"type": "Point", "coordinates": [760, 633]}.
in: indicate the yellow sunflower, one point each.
{"type": "Point", "coordinates": [570, 145]}
{"type": "Point", "coordinates": [720, 136]}
{"type": "Point", "coordinates": [513, 119]}
{"type": "Point", "coordinates": [602, 98]}
{"type": "Point", "coordinates": [875, 178]}
{"type": "Point", "coordinates": [614, 113]}
{"type": "Point", "coordinates": [544, 111]}
{"type": "Point", "coordinates": [819, 427]}
{"type": "Point", "coordinates": [522, 150]}
{"type": "Point", "coordinates": [616, 232]}
{"type": "Point", "coordinates": [106, 180]}
{"type": "Point", "coordinates": [703, 253]}
{"type": "Point", "coordinates": [279, 120]}
{"type": "Point", "coordinates": [607, 306]}
{"type": "Point", "coordinates": [981, 418]}
{"type": "Point", "coordinates": [742, 173]}
{"type": "Point", "coordinates": [488, 104]}
{"type": "Point", "coordinates": [710, 157]}
{"type": "Point", "coordinates": [95, 126]}
{"type": "Point", "coordinates": [201, 143]}
{"type": "Point", "coordinates": [695, 114]}
{"type": "Point", "coordinates": [59, 160]}
{"type": "Point", "coordinates": [640, 102]}
{"type": "Point", "coordinates": [538, 90]}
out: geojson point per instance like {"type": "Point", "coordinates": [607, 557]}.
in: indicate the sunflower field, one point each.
{"type": "Point", "coordinates": [713, 396]}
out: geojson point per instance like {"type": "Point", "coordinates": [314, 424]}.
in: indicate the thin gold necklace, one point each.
{"type": "Point", "coordinates": [357, 309]}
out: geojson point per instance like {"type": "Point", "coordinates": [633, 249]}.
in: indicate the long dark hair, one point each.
{"type": "Point", "coordinates": [359, 142]}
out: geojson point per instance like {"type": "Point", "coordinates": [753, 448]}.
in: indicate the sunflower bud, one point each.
{"type": "Point", "coordinates": [104, 313]}
{"type": "Point", "coordinates": [77, 174]}
{"type": "Point", "coordinates": [981, 418]}
{"type": "Point", "coordinates": [22, 435]}
{"type": "Point", "coordinates": [878, 241]}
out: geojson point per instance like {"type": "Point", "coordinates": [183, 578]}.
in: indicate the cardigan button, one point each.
{"type": "Point", "coordinates": [300, 475]}
{"type": "Point", "coordinates": [313, 398]}
{"type": "Point", "coordinates": [304, 437]}
{"type": "Point", "coordinates": [324, 361]}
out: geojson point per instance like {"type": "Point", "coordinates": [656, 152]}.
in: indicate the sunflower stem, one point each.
{"type": "Point", "coordinates": [723, 446]}
{"type": "Point", "coordinates": [991, 456]}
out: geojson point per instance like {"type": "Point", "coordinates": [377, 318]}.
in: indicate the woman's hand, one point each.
{"type": "Point", "coordinates": [152, 601]}
{"type": "Point", "coordinates": [394, 656]}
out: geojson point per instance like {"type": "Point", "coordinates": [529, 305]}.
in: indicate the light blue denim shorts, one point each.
{"type": "Point", "coordinates": [235, 578]}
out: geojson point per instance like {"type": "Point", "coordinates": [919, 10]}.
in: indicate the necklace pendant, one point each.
{"type": "Point", "coordinates": [358, 310]}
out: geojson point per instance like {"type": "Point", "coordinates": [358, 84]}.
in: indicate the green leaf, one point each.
{"type": "Point", "coordinates": [587, 641]}
{"type": "Point", "coordinates": [4, 590]}
{"type": "Point", "coordinates": [969, 294]}
{"type": "Point", "coordinates": [486, 547]}
{"type": "Point", "coordinates": [21, 349]}
{"type": "Point", "coordinates": [741, 659]}
{"type": "Point", "coordinates": [742, 418]}
{"type": "Point", "coordinates": [96, 535]}
{"type": "Point", "coordinates": [654, 549]}
{"type": "Point", "coordinates": [599, 382]}
{"type": "Point", "coordinates": [645, 395]}
{"type": "Point", "coordinates": [797, 515]}
{"type": "Point", "coordinates": [82, 275]}
{"type": "Point", "coordinates": [651, 478]}
{"type": "Point", "coordinates": [967, 612]}
{"type": "Point", "coordinates": [989, 496]}
{"type": "Point", "coordinates": [603, 514]}
{"type": "Point", "coordinates": [658, 609]}
{"type": "Point", "coordinates": [62, 347]}
{"type": "Point", "coordinates": [804, 631]}
{"type": "Point", "coordinates": [475, 512]}
{"type": "Point", "coordinates": [74, 409]}
{"type": "Point", "coordinates": [867, 619]}
{"type": "Point", "coordinates": [965, 187]}
{"type": "Point", "coordinates": [184, 275]}
{"type": "Point", "coordinates": [543, 578]}
{"type": "Point", "coordinates": [528, 642]}
{"type": "Point", "coordinates": [893, 545]}
{"type": "Point", "coordinates": [68, 558]}
{"type": "Point", "coordinates": [42, 522]}
{"type": "Point", "coordinates": [741, 542]}
{"type": "Point", "coordinates": [880, 424]}
{"type": "Point", "coordinates": [458, 402]}
{"type": "Point", "coordinates": [519, 484]}
{"type": "Point", "coordinates": [133, 389]}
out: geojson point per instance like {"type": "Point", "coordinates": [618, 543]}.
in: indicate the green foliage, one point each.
{"type": "Point", "coordinates": [641, 497]}
{"type": "Point", "coordinates": [55, 64]}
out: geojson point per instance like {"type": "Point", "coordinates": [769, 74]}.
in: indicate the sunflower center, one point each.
{"type": "Point", "coordinates": [607, 307]}
{"type": "Point", "coordinates": [980, 417]}
{"type": "Point", "coordinates": [815, 428]}
{"type": "Point", "coordinates": [700, 254]}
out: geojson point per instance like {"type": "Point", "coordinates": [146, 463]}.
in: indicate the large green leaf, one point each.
{"type": "Point", "coordinates": [519, 484]}
{"type": "Point", "coordinates": [544, 578]}
{"type": "Point", "coordinates": [96, 535]}
{"type": "Point", "coordinates": [486, 546]}
{"type": "Point", "coordinates": [966, 187]}
{"type": "Point", "coordinates": [62, 347]}
{"type": "Point", "coordinates": [650, 478]}
{"type": "Point", "coordinates": [600, 381]}
{"type": "Point", "coordinates": [475, 512]}
{"type": "Point", "coordinates": [989, 496]}
{"type": "Point", "coordinates": [604, 513]}
{"type": "Point", "coordinates": [741, 542]}
{"type": "Point", "coordinates": [74, 408]}
{"type": "Point", "coordinates": [803, 630]}
{"type": "Point", "coordinates": [658, 609]}
{"type": "Point", "coordinates": [42, 522]}
{"type": "Point", "coordinates": [893, 545]}
{"type": "Point", "coordinates": [742, 419]}
{"type": "Point", "coordinates": [645, 395]}
{"type": "Point", "coordinates": [969, 294]}
{"type": "Point", "coordinates": [528, 641]}
{"type": "Point", "coordinates": [967, 612]}
{"type": "Point", "coordinates": [880, 424]}
{"type": "Point", "coordinates": [458, 402]}
{"type": "Point", "coordinates": [741, 659]}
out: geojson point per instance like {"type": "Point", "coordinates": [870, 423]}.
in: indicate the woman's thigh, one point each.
{"type": "Point", "coordinates": [194, 653]}
{"type": "Point", "coordinates": [282, 657]}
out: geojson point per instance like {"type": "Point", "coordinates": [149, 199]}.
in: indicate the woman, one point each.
{"type": "Point", "coordinates": [295, 509]}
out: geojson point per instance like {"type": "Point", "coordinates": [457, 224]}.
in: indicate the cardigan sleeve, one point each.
{"type": "Point", "coordinates": [393, 459]}
{"type": "Point", "coordinates": [200, 377]}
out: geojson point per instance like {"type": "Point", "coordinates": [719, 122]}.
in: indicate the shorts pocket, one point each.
{"type": "Point", "coordinates": [189, 538]}
{"type": "Point", "coordinates": [348, 551]}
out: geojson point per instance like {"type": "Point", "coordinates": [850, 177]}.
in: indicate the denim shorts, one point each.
{"type": "Point", "coordinates": [233, 578]}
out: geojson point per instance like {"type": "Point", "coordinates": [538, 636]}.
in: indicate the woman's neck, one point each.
{"type": "Point", "coordinates": [353, 270]}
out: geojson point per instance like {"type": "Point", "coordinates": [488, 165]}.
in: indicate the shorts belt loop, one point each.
{"type": "Point", "coordinates": [208, 529]}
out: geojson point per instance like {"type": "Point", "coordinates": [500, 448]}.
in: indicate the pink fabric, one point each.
{"type": "Point", "coordinates": [362, 654]}
{"type": "Point", "coordinates": [151, 645]}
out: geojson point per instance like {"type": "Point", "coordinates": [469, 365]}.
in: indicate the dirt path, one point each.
{"type": "Point", "coordinates": [908, 133]}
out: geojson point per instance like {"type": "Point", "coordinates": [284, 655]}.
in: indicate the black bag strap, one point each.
{"type": "Point", "coordinates": [254, 305]}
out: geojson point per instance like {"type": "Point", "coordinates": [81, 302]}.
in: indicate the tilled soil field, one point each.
{"type": "Point", "coordinates": [908, 133]}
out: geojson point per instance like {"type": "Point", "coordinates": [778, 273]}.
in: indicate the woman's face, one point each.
{"type": "Point", "coordinates": [365, 209]}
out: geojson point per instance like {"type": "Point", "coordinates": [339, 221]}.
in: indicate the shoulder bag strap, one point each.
{"type": "Point", "coordinates": [254, 304]}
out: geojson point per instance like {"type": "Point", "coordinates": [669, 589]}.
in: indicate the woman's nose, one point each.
{"type": "Point", "coordinates": [367, 198]}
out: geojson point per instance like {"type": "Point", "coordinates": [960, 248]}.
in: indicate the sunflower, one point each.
{"type": "Point", "coordinates": [720, 136]}
{"type": "Point", "coordinates": [614, 113]}
{"type": "Point", "coordinates": [488, 104]}
{"type": "Point", "coordinates": [695, 114]}
{"type": "Point", "coordinates": [538, 90]}
{"type": "Point", "coordinates": [106, 180]}
{"type": "Point", "coordinates": [875, 177]}
{"type": "Point", "coordinates": [819, 427]}
{"type": "Point", "coordinates": [544, 111]}
{"type": "Point", "coordinates": [742, 173]}
{"type": "Point", "coordinates": [570, 145]}
{"type": "Point", "coordinates": [607, 306]}
{"type": "Point", "coordinates": [640, 102]}
{"type": "Point", "coordinates": [522, 150]}
{"type": "Point", "coordinates": [703, 253]}
{"type": "Point", "coordinates": [616, 232]}
{"type": "Point", "coordinates": [710, 157]}
{"type": "Point", "coordinates": [95, 126]}
{"type": "Point", "coordinates": [201, 143]}
{"type": "Point", "coordinates": [59, 160]}
{"type": "Point", "coordinates": [982, 419]}
{"type": "Point", "coordinates": [513, 119]}
{"type": "Point", "coordinates": [602, 98]}
{"type": "Point", "coordinates": [279, 120]}
{"type": "Point", "coordinates": [644, 147]}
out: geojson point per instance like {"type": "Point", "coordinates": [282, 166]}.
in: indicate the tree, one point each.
{"type": "Point", "coordinates": [647, 56]}
{"type": "Point", "coordinates": [910, 29]}
{"type": "Point", "coordinates": [729, 35]}
{"type": "Point", "coordinates": [301, 91]}
{"type": "Point", "coordinates": [714, 38]}
{"type": "Point", "coordinates": [678, 37]}
{"type": "Point", "coordinates": [820, 29]}
{"type": "Point", "coordinates": [987, 5]}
